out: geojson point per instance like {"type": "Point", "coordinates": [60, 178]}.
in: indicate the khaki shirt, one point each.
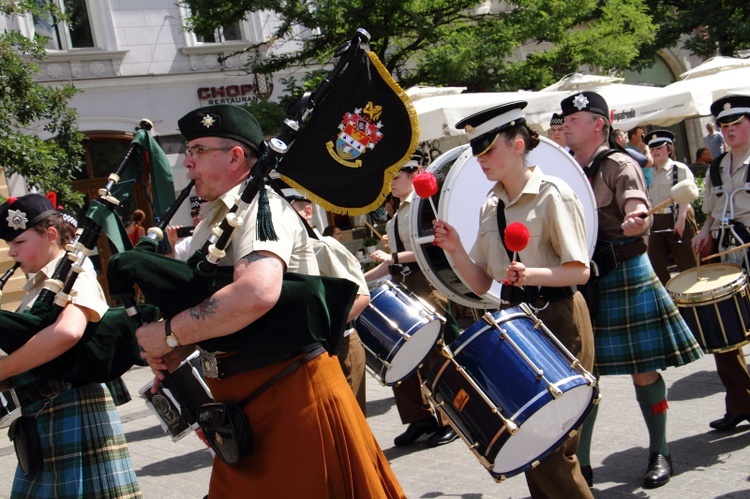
{"type": "Point", "coordinates": [334, 260]}
{"type": "Point", "coordinates": [551, 211]}
{"type": "Point", "coordinates": [715, 206]}
{"type": "Point", "coordinates": [661, 188]}
{"type": "Point", "coordinates": [618, 180]}
{"type": "Point", "coordinates": [293, 245]}
{"type": "Point", "coordinates": [87, 291]}
{"type": "Point", "coordinates": [404, 225]}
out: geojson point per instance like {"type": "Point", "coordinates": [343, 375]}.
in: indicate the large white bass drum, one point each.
{"type": "Point", "coordinates": [463, 191]}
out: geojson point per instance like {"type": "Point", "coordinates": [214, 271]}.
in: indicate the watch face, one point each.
{"type": "Point", "coordinates": [172, 342]}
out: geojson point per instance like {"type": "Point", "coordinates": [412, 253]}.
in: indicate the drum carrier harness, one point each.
{"type": "Point", "coordinates": [730, 232]}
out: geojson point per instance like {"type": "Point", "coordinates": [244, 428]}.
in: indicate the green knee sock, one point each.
{"type": "Point", "coordinates": [653, 401]}
{"type": "Point", "coordinates": [587, 431]}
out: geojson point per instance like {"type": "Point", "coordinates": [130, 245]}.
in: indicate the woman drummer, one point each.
{"type": "Point", "coordinates": [542, 275]}
{"type": "Point", "coordinates": [83, 447]}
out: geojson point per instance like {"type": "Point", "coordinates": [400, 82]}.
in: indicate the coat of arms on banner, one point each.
{"type": "Point", "coordinates": [360, 131]}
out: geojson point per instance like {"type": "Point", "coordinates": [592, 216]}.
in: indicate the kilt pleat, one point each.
{"type": "Point", "coordinates": [638, 328]}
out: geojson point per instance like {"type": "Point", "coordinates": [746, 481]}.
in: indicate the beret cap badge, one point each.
{"type": "Point", "coordinates": [17, 219]}
{"type": "Point", "coordinates": [580, 102]}
{"type": "Point", "coordinates": [210, 119]}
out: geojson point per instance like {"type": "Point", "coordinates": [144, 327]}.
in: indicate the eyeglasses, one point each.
{"type": "Point", "coordinates": [195, 151]}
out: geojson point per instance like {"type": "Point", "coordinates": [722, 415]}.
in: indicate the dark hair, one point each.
{"type": "Point", "coordinates": [633, 131]}
{"type": "Point", "coordinates": [65, 231]}
{"type": "Point", "coordinates": [699, 152]}
{"type": "Point", "coordinates": [138, 216]}
{"type": "Point", "coordinates": [330, 230]}
{"type": "Point", "coordinates": [529, 136]}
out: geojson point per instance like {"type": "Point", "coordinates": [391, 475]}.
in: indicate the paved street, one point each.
{"type": "Point", "coordinates": [708, 464]}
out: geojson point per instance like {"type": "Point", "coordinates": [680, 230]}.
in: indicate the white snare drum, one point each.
{"type": "Point", "coordinates": [463, 190]}
{"type": "Point", "coordinates": [179, 397]}
{"type": "Point", "coordinates": [10, 409]}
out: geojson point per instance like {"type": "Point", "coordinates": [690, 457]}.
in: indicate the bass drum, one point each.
{"type": "Point", "coordinates": [463, 191]}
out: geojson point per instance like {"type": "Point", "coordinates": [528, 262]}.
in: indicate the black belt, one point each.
{"type": "Point", "coordinates": [240, 362]}
{"type": "Point", "coordinates": [39, 390]}
{"type": "Point", "coordinates": [537, 297]}
{"type": "Point", "coordinates": [627, 251]}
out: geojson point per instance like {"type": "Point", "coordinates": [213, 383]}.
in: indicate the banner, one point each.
{"type": "Point", "coordinates": [356, 140]}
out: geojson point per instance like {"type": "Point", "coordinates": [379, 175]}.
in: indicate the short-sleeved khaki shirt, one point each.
{"type": "Point", "coordinates": [715, 206]}
{"type": "Point", "coordinates": [293, 245]}
{"type": "Point", "coordinates": [404, 219]}
{"type": "Point", "coordinates": [661, 187]}
{"type": "Point", "coordinates": [88, 292]}
{"type": "Point", "coordinates": [553, 214]}
{"type": "Point", "coordinates": [334, 260]}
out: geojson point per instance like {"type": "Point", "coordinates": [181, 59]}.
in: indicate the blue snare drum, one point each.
{"type": "Point", "coordinates": [511, 390]}
{"type": "Point", "coordinates": [397, 330]}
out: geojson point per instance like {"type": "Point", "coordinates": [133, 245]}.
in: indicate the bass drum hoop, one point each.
{"type": "Point", "coordinates": [456, 201]}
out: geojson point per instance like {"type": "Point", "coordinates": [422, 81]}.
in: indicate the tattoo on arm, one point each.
{"type": "Point", "coordinates": [255, 256]}
{"type": "Point", "coordinates": [204, 309]}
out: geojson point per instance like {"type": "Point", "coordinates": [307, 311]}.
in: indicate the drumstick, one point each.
{"type": "Point", "coordinates": [373, 229]}
{"type": "Point", "coordinates": [683, 192]}
{"type": "Point", "coordinates": [726, 252]}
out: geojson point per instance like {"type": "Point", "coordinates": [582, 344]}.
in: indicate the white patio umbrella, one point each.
{"type": "Point", "coordinates": [715, 65]}
{"type": "Point", "coordinates": [711, 86]}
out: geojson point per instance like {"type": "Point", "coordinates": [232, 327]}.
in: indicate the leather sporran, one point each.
{"type": "Point", "coordinates": [227, 430]}
{"type": "Point", "coordinates": [25, 438]}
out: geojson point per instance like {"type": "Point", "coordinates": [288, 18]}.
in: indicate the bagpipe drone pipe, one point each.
{"type": "Point", "coordinates": [310, 308]}
{"type": "Point", "coordinates": [108, 348]}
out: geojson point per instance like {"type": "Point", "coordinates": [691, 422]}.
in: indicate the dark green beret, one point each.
{"type": "Point", "coordinates": [222, 120]}
{"type": "Point", "coordinates": [19, 214]}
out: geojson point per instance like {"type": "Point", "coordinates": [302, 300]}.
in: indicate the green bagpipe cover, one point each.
{"type": "Point", "coordinates": [106, 351]}
{"type": "Point", "coordinates": [309, 309]}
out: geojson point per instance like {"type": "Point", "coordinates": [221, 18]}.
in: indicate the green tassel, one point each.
{"type": "Point", "coordinates": [264, 223]}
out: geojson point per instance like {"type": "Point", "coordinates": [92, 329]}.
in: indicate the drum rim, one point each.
{"type": "Point", "coordinates": [707, 297]}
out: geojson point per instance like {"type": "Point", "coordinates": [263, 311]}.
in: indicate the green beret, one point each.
{"type": "Point", "coordinates": [222, 120]}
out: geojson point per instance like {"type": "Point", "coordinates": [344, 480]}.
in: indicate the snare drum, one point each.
{"type": "Point", "coordinates": [462, 192]}
{"type": "Point", "coordinates": [179, 397]}
{"type": "Point", "coordinates": [397, 330]}
{"type": "Point", "coordinates": [511, 391]}
{"type": "Point", "coordinates": [10, 409]}
{"type": "Point", "coordinates": [713, 300]}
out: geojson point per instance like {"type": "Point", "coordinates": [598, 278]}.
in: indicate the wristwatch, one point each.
{"type": "Point", "coordinates": [172, 341]}
{"type": "Point", "coordinates": [394, 256]}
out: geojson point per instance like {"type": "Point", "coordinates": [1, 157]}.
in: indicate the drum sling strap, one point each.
{"type": "Point", "coordinates": [718, 189]}
{"type": "Point", "coordinates": [401, 268]}
{"type": "Point", "coordinates": [536, 296]}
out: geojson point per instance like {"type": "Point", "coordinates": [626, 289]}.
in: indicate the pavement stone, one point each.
{"type": "Point", "coordinates": [708, 464]}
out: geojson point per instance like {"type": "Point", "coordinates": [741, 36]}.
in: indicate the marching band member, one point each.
{"type": "Point", "coordinates": [309, 420]}
{"type": "Point", "coordinates": [637, 329]}
{"type": "Point", "coordinates": [674, 226]}
{"type": "Point", "coordinates": [732, 114]}
{"type": "Point", "coordinates": [83, 447]}
{"type": "Point", "coordinates": [413, 406]}
{"type": "Point", "coordinates": [555, 259]}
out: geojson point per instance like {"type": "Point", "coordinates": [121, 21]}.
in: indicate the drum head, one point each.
{"type": "Point", "coordinates": [705, 282]}
{"type": "Point", "coordinates": [463, 191]}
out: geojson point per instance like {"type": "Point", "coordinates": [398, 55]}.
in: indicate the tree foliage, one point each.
{"type": "Point", "coordinates": [454, 42]}
{"type": "Point", "coordinates": [28, 109]}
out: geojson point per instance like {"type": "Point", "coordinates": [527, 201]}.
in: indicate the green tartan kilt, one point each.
{"type": "Point", "coordinates": [638, 328]}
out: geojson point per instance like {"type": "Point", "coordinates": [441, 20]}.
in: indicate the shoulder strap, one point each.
{"type": "Point", "coordinates": [715, 174]}
{"type": "Point", "coordinates": [399, 242]}
{"type": "Point", "coordinates": [501, 224]}
{"type": "Point", "coordinates": [596, 164]}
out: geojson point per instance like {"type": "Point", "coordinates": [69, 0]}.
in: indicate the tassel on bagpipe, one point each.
{"type": "Point", "coordinates": [108, 348]}
{"type": "Point", "coordinates": [308, 305]}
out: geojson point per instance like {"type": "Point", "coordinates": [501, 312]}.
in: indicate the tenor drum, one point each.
{"type": "Point", "coordinates": [713, 300]}
{"type": "Point", "coordinates": [10, 409]}
{"type": "Point", "coordinates": [463, 191]}
{"type": "Point", "coordinates": [397, 330]}
{"type": "Point", "coordinates": [511, 390]}
{"type": "Point", "coordinates": [178, 398]}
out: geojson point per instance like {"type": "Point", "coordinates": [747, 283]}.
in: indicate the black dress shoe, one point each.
{"type": "Point", "coordinates": [443, 435]}
{"type": "Point", "coordinates": [416, 430]}
{"type": "Point", "coordinates": [588, 474]}
{"type": "Point", "coordinates": [659, 471]}
{"type": "Point", "coordinates": [729, 421]}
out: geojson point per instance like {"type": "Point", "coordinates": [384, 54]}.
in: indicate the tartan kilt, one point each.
{"type": "Point", "coordinates": [638, 328]}
{"type": "Point", "coordinates": [84, 448]}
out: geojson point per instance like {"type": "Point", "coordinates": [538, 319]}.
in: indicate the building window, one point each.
{"type": "Point", "coordinates": [74, 33]}
{"type": "Point", "coordinates": [230, 33]}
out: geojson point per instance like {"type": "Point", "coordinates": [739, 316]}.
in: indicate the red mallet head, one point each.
{"type": "Point", "coordinates": [516, 236]}
{"type": "Point", "coordinates": [425, 184]}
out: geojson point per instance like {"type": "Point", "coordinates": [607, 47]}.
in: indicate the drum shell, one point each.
{"type": "Point", "coordinates": [387, 353]}
{"type": "Point", "coordinates": [512, 386]}
{"type": "Point", "coordinates": [714, 302]}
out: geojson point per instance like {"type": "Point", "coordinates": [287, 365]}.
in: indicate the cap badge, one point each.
{"type": "Point", "coordinates": [654, 136]}
{"type": "Point", "coordinates": [580, 102]}
{"type": "Point", "coordinates": [727, 106]}
{"type": "Point", "coordinates": [17, 219]}
{"type": "Point", "coordinates": [470, 129]}
{"type": "Point", "coordinates": [210, 120]}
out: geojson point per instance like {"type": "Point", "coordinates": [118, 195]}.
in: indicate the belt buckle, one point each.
{"type": "Point", "coordinates": [209, 365]}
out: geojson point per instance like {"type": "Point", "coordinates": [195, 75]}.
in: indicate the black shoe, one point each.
{"type": "Point", "coordinates": [443, 435]}
{"type": "Point", "coordinates": [588, 474]}
{"type": "Point", "coordinates": [729, 421]}
{"type": "Point", "coordinates": [416, 430]}
{"type": "Point", "coordinates": [659, 471]}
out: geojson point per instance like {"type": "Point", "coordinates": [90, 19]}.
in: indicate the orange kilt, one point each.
{"type": "Point", "coordinates": [311, 438]}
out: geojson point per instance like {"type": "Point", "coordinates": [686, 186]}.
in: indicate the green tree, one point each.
{"type": "Point", "coordinates": [454, 42]}
{"type": "Point", "coordinates": [29, 108]}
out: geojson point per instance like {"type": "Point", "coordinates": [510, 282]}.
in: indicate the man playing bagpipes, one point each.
{"type": "Point", "coordinates": [310, 437]}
